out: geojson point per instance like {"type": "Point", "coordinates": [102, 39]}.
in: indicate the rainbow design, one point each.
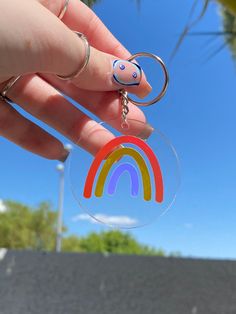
{"type": "Point", "coordinates": [114, 154]}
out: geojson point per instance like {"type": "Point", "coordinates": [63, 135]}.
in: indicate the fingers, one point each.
{"type": "Point", "coordinates": [26, 134]}
{"type": "Point", "coordinates": [107, 68]}
{"type": "Point", "coordinates": [41, 100]}
{"type": "Point", "coordinates": [80, 17]}
{"type": "Point", "coordinates": [54, 48]}
{"type": "Point", "coordinates": [107, 106]}
{"type": "Point", "coordinates": [107, 74]}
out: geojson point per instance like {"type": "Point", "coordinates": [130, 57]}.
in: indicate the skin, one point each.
{"type": "Point", "coordinates": [38, 46]}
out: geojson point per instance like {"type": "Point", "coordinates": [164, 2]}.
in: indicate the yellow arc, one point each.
{"type": "Point", "coordinates": [116, 155]}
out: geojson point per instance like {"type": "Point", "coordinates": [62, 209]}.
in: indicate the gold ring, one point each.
{"type": "Point", "coordinates": [63, 11]}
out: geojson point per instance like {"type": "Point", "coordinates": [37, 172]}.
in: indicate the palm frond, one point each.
{"type": "Point", "coordinates": [190, 24]}
{"type": "Point", "coordinates": [229, 24]}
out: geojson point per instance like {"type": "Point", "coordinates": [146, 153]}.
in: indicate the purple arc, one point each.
{"type": "Point", "coordinates": [117, 174]}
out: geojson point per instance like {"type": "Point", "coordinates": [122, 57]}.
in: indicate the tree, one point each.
{"type": "Point", "coordinates": [90, 3]}
{"type": "Point", "coordinates": [229, 24]}
{"type": "Point", "coordinates": [228, 9]}
{"type": "Point", "coordinates": [14, 226]}
{"type": "Point", "coordinates": [229, 5]}
{"type": "Point", "coordinates": [71, 244]}
{"type": "Point", "coordinates": [229, 21]}
{"type": "Point", "coordinates": [43, 226]}
{"type": "Point", "coordinates": [28, 228]}
{"type": "Point", "coordinates": [114, 241]}
{"type": "Point", "coordinates": [23, 227]}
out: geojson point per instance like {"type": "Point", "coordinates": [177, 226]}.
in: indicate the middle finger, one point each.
{"type": "Point", "coordinates": [44, 102]}
{"type": "Point", "coordinates": [106, 106]}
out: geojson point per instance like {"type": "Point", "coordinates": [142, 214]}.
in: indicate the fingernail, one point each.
{"type": "Point", "coordinates": [126, 73]}
{"type": "Point", "coordinates": [146, 132]}
{"type": "Point", "coordinates": [64, 156]}
{"type": "Point", "coordinates": [146, 90]}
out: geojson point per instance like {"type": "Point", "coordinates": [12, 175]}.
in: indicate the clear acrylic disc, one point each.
{"type": "Point", "coordinates": [130, 182]}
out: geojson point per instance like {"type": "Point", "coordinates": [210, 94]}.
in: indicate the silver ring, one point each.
{"type": "Point", "coordinates": [63, 11]}
{"type": "Point", "coordinates": [166, 77]}
{"type": "Point", "coordinates": [86, 59]}
{"type": "Point", "coordinates": [3, 94]}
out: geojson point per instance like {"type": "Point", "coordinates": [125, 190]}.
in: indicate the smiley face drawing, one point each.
{"type": "Point", "coordinates": [127, 73]}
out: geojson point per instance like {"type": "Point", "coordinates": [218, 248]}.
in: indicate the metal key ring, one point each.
{"type": "Point", "coordinates": [163, 91]}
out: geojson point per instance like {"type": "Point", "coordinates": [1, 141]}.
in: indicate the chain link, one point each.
{"type": "Point", "coordinates": [125, 108]}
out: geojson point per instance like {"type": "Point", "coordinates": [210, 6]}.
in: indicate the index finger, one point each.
{"type": "Point", "coordinates": [80, 17]}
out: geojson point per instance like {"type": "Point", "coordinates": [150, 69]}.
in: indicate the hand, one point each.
{"type": "Point", "coordinates": [33, 40]}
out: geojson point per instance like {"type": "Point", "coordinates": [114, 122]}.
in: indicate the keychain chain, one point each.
{"type": "Point", "coordinates": [125, 108]}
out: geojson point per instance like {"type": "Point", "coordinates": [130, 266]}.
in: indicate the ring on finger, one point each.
{"type": "Point", "coordinates": [8, 86]}
{"type": "Point", "coordinates": [86, 59]}
{"type": "Point", "coordinates": [64, 9]}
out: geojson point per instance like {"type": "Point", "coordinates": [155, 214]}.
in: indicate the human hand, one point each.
{"type": "Point", "coordinates": [33, 40]}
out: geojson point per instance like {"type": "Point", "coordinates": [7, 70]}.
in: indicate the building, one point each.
{"type": "Point", "coordinates": [52, 283]}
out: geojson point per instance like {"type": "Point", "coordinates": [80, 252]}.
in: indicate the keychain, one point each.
{"type": "Point", "coordinates": [130, 182]}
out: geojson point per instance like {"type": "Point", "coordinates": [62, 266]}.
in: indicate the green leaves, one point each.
{"type": "Point", "coordinates": [111, 242]}
{"type": "Point", "coordinates": [229, 5]}
{"type": "Point", "coordinates": [190, 24]}
{"type": "Point", "coordinates": [229, 24]}
{"type": "Point", "coordinates": [90, 3]}
{"type": "Point", "coordinates": [228, 9]}
{"type": "Point", "coordinates": [23, 227]}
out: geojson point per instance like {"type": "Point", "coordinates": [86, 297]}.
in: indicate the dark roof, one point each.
{"type": "Point", "coordinates": [51, 283]}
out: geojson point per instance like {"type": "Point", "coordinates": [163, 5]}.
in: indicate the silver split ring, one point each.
{"type": "Point", "coordinates": [166, 79]}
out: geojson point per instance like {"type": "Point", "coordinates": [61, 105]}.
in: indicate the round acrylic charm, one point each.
{"type": "Point", "coordinates": [130, 182]}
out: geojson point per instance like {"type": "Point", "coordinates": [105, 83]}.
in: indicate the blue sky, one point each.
{"type": "Point", "coordinates": [198, 115]}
